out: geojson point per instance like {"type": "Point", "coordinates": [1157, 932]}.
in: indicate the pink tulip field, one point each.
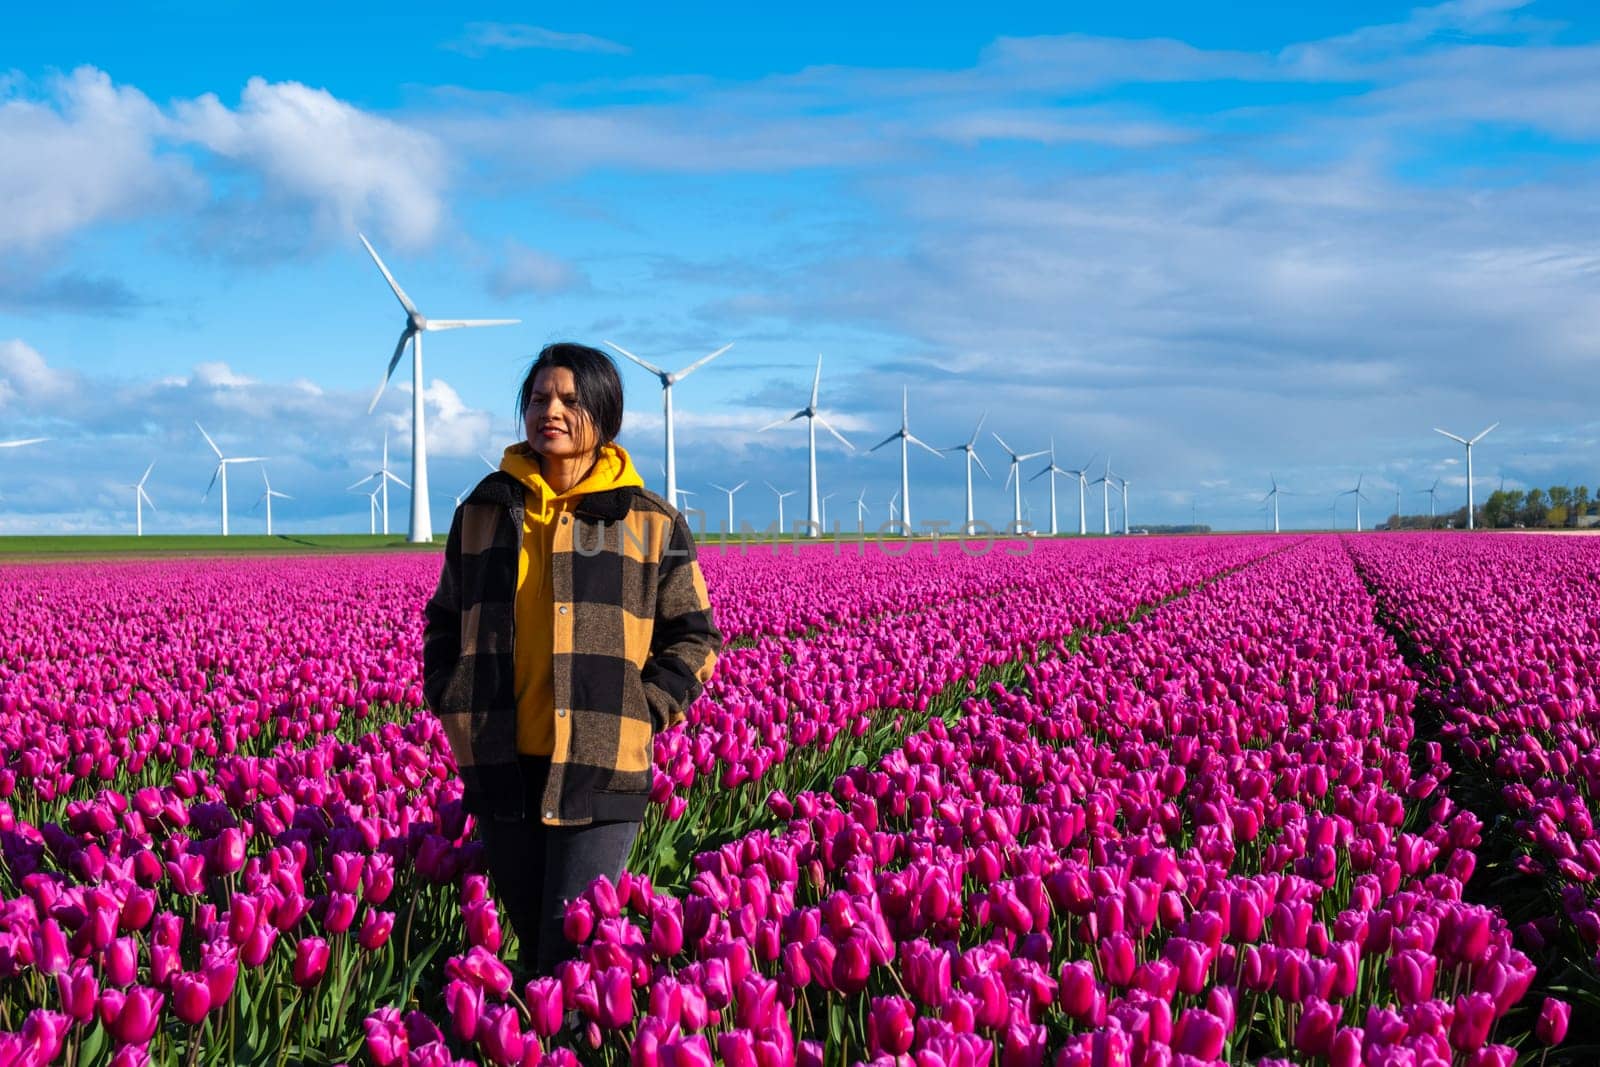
{"type": "Point", "coordinates": [1144, 801]}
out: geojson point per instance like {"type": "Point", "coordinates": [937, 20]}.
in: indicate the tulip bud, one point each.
{"type": "Point", "coordinates": [310, 961]}
{"type": "Point", "coordinates": [387, 1042]}
{"type": "Point", "coordinates": [889, 1026]}
{"type": "Point", "coordinates": [191, 997]}
{"type": "Point", "coordinates": [376, 926]}
{"type": "Point", "coordinates": [1554, 1015]}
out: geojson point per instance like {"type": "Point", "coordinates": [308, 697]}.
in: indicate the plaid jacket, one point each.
{"type": "Point", "coordinates": [634, 644]}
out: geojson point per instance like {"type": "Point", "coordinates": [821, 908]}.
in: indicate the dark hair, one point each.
{"type": "Point", "coordinates": [595, 378]}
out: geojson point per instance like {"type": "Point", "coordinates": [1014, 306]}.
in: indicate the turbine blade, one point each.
{"type": "Point", "coordinates": [246, 459]}
{"type": "Point", "coordinates": [1010, 473]}
{"type": "Point", "coordinates": [826, 425]}
{"type": "Point", "coordinates": [892, 437]}
{"type": "Point", "coordinates": [1041, 474]}
{"type": "Point", "coordinates": [147, 471]}
{"type": "Point", "coordinates": [352, 486]}
{"type": "Point", "coordinates": [918, 441]}
{"type": "Point", "coordinates": [209, 441]}
{"type": "Point", "coordinates": [651, 367]}
{"type": "Point", "coordinates": [780, 422]}
{"type": "Point", "coordinates": [1450, 435]}
{"type": "Point", "coordinates": [977, 430]}
{"type": "Point", "coordinates": [393, 477]}
{"type": "Point", "coordinates": [1482, 435]}
{"type": "Point", "coordinates": [1003, 445]}
{"type": "Point", "coordinates": [147, 499]}
{"type": "Point", "coordinates": [211, 484]}
{"type": "Point", "coordinates": [458, 324]}
{"type": "Point", "coordinates": [486, 462]}
{"type": "Point", "coordinates": [740, 486]}
{"type": "Point", "coordinates": [816, 382]}
{"type": "Point", "coordinates": [979, 461]}
{"type": "Point", "coordinates": [701, 362]}
{"type": "Point", "coordinates": [394, 361]}
{"type": "Point", "coordinates": [400, 294]}
{"type": "Point", "coordinates": [32, 441]}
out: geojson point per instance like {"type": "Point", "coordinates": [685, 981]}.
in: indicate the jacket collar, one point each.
{"type": "Point", "coordinates": [502, 489]}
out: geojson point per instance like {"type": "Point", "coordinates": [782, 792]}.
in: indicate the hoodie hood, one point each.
{"type": "Point", "coordinates": [613, 469]}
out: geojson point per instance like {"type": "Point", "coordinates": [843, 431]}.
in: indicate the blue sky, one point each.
{"type": "Point", "coordinates": [1209, 243]}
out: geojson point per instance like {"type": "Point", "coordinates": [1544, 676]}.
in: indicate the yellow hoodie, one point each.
{"type": "Point", "coordinates": [535, 605]}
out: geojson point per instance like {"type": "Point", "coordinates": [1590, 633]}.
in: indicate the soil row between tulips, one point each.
{"type": "Point", "coordinates": [1564, 970]}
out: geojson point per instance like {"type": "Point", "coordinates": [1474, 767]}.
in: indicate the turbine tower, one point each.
{"type": "Point", "coordinates": [906, 438]}
{"type": "Point", "coordinates": [1124, 481]}
{"type": "Point", "coordinates": [140, 499]}
{"type": "Point", "coordinates": [1052, 471]}
{"type": "Point", "coordinates": [267, 496]}
{"type": "Point", "coordinates": [1014, 479]}
{"type": "Point", "coordinates": [416, 325]}
{"type": "Point", "coordinates": [1082, 474]}
{"type": "Point", "coordinates": [730, 493]}
{"type": "Point", "coordinates": [668, 379]}
{"type": "Point", "coordinates": [222, 471]}
{"type": "Point", "coordinates": [812, 417]}
{"type": "Point", "coordinates": [1273, 496]}
{"type": "Point", "coordinates": [1104, 482]}
{"type": "Point", "coordinates": [384, 476]}
{"type": "Point", "coordinates": [1430, 491]}
{"type": "Point", "coordinates": [972, 457]}
{"type": "Point", "coordinates": [781, 495]}
{"type": "Point", "coordinates": [1360, 496]}
{"type": "Point", "coordinates": [1469, 444]}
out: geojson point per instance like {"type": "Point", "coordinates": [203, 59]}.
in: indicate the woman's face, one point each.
{"type": "Point", "coordinates": [557, 428]}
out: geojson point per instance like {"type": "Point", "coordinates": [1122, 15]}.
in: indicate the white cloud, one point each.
{"type": "Point", "coordinates": [79, 150]}
{"type": "Point", "coordinates": [308, 147]}
{"type": "Point", "coordinates": [27, 381]}
{"type": "Point", "coordinates": [316, 442]}
{"type": "Point", "coordinates": [481, 37]}
{"type": "Point", "coordinates": [523, 270]}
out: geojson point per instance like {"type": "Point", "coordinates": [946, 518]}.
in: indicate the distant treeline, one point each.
{"type": "Point", "coordinates": [1560, 506]}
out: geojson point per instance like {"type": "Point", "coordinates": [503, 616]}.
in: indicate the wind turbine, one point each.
{"type": "Point", "coordinates": [781, 495]}
{"type": "Point", "coordinates": [1273, 496]}
{"type": "Point", "coordinates": [384, 476]}
{"type": "Point", "coordinates": [267, 496]}
{"type": "Point", "coordinates": [1469, 444]}
{"type": "Point", "coordinates": [1430, 491]}
{"type": "Point", "coordinates": [825, 507]}
{"type": "Point", "coordinates": [972, 457]}
{"type": "Point", "coordinates": [1082, 474]}
{"type": "Point", "coordinates": [812, 417]}
{"type": "Point", "coordinates": [861, 511]}
{"type": "Point", "coordinates": [668, 380]}
{"type": "Point", "coordinates": [416, 325]}
{"type": "Point", "coordinates": [140, 499]}
{"type": "Point", "coordinates": [1397, 513]}
{"type": "Point", "coordinates": [1360, 496]}
{"type": "Point", "coordinates": [906, 438]}
{"type": "Point", "coordinates": [1014, 479]}
{"type": "Point", "coordinates": [222, 470]}
{"type": "Point", "coordinates": [683, 494]}
{"type": "Point", "coordinates": [1104, 481]}
{"type": "Point", "coordinates": [894, 508]}
{"type": "Point", "coordinates": [1052, 471]}
{"type": "Point", "coordinates": [730, 493]}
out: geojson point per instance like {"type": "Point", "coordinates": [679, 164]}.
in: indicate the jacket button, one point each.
{"type": "Point", "coordinates": [562, 609]}
{"type": "Point", "coordinates": [561, 713]}
{"type": "Point", "coordinates": [549, 814]}
{"type": "Point", "coordinates": [563, 520]}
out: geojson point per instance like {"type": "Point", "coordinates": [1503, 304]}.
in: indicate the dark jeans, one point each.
{"type": "Point", "coordinates": [538, 868]}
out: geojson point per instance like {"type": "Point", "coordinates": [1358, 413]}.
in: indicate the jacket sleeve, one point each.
{"type": "Point", "coordinates": [441, 634]}
{"type": "Point", "coordinates": [685, 642]}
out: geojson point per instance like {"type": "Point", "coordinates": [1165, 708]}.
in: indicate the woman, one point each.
{"type": "Point", "coordinates": [570, 625]}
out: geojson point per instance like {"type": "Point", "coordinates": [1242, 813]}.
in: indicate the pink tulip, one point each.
{"type": "Point", "coordinates": [1551, 1029]}
{"type": "Point", "coordinates": [387, 1042]}
{"type": "Point", "coordinates": [191, 997]}
{"type": "Point", "coordinates": [310, 961]}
